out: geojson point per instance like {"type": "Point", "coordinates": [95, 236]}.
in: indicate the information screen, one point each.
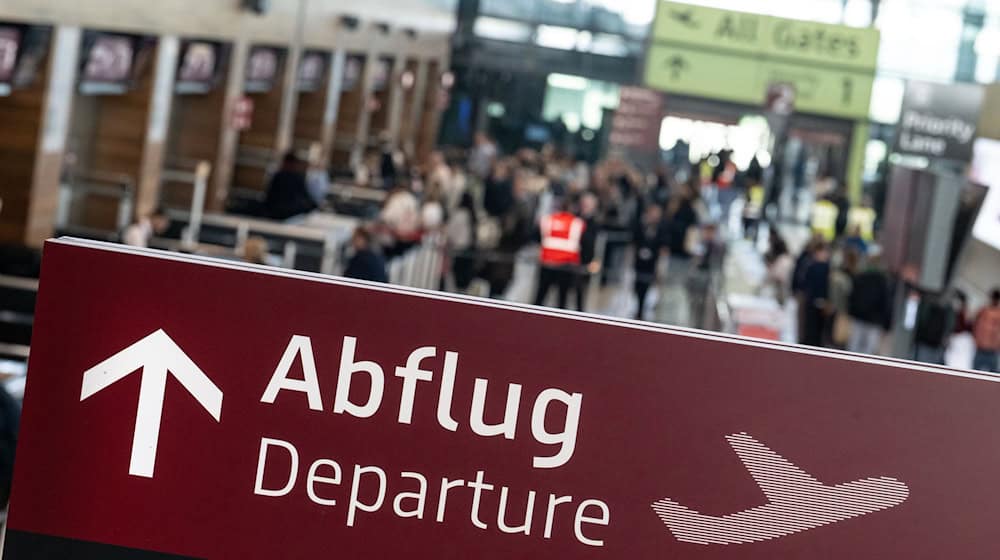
{"type": "Point", "coordinates": [10, 40]}
{"type": "Point", "coordinates": [108, 65]}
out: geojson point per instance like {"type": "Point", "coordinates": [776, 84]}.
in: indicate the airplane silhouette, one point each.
{"type": "Point", "coordinates": [796, 502]}
{"type": "Point", "coordinates": [685, 17]}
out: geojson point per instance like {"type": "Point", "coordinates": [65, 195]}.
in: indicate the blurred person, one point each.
{"type": "Point", "coordinates": [482, 156]}
{"type": "Point", "coordinates": [389, 164]}
{"type": "Point", "coordinates": [726, 179]}
{"type": "Point", "coordinates": [802, 263]}
{"type": "Point", "coordinates": [683, 217]}
{"type": "Point", "coordinates": [438, 175]}
{"type": "Point", "coordinates": [936, 317]}
{"type": "Point", "coordinates": [561, 233]}
{"type": "Point", "coordinates": [753, 210]}
{"type": "Point", "coordinates": [651, 240]}
{"type": "Point", "coordinates": [590, 265]}
{"type": "Point", "coordinates": [961, 305]}
{"type": "Point", "coordinates": [840, 199]}
{"type": "Point", "coordinates": [816, 294]}
{"type": "Point", "coordinates": [515, 229]}
{"type": "Point", "coordinates": [366, 170]}
{"type": "Point", "coordinates": [317, 178]}
{"type": "Point", "coordinates": [365, 263]}
{"type": "Point", "coordinates": [961, 346]}
{"type": "Point", "coordinates": [870, 308]}
{"type": "Point", "coordinates": [10, 423]}
{"type": "Point", "coordinates": [401, 216]}
{"type": "Point", "coordinates": [461, 233]}
{"type": "Point", "coordinates": [841, 285]}
{"type": "Point", "coordinates": [142, 231]}
{"type": "Point", "coordinates": [986, 330]}
{"type": "Point", "coordinates": [257, 251]}
{"type": "Point", "coordinates": [855, 240]}
{"type": "Point", "coordinates": [432, 213]}
{"type": "Point", "coordinates": [780, 265]}
{"type": "Point", "coordinates": [287, 193]}
{"type": "Point", "coordinates": [705, 272]}
{"type": "Point", "coordinates": [498, 195]}
{"type": "Point", "coordinates": [861, 219]}
{"type": "Point", "coordinates": [824, 219]}
{"type": "Point", "coordinates": [664, 186]}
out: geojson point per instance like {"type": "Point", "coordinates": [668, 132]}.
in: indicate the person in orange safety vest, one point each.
{"type": "Point", "coordinates": [561, 233]}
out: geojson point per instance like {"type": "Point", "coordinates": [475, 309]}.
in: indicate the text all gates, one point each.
{"type": "Point", "coordinates": [201, 409]}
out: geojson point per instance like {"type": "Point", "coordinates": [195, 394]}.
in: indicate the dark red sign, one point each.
{"type": "Point", "coordinates": [189, 408]}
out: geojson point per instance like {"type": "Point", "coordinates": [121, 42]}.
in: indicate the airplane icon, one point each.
{"type": "Point", "coordinates": [796, 502]}
{"type": "Point", "coordinates": [685, 17]}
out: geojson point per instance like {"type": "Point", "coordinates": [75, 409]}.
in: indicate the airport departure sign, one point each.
{"type": "Point", "coordinates": [180, 407]}
{"type": "Point", "coordinates": [735, 56]}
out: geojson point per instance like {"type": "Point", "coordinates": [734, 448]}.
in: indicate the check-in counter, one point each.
{"type": "Point", "coordinates": [107, 138]}
{"type": "Point", "coordinates": [24, 60]}
{"type": "Point", "coordinates": [197, 118]}
{"type": "Point", "coordinates": [350, 111]}
{"type": "Point", "coordinates": [313, 84]}
{"type": "Point", "coordinates": [123, 102]}
{"type": "Point", "coordinates": [260, 113]}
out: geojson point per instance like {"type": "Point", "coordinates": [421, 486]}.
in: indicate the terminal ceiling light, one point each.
{"type": "Point", "coordinates": [566, 81]}
{"type": "Point", "coordinates": [447, 80]}
{"type": "Point", "coordinates": [259, 7]}
{"type": "Point", "coordinates": [350, 22]}
{"type": "Point", "coordinates": [988, 43]}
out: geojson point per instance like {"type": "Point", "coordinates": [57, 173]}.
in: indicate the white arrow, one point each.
{"type": "Point", "coordinates": [156, 354]}
{"type": "Point", "coordinates": [796, 501]}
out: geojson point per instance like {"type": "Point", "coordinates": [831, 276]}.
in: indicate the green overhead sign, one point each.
{"type": "Point", "coordinates": [735, 56]}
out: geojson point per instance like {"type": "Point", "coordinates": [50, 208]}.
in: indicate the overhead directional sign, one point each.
{"type": "Point", "coordinates": [362, 421]}
{"type": "Point", "coordinates": [734, 56]}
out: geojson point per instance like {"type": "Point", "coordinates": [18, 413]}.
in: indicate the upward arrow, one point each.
{"type": "Point", "coordinates": [156, 354]}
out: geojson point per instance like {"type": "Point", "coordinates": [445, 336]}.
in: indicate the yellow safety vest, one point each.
{"type": "Point", "coordinates": [824, 219]}
{"type": "Point", "coordinates": [862, 217]}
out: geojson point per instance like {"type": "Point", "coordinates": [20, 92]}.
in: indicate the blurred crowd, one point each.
{"type": "Point", "coordinates": [578, 220]}
{"type": "Point", "coordinates": [660, 235]}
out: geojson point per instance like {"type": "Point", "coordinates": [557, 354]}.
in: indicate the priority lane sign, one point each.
{"type": "Point", "coordinates": [179, 407]}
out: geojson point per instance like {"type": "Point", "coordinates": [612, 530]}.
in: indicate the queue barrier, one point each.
{"type": "Point", "coordinates": [301, 247]}
{"type": "Point", "coordinates": [17, 310]}
{"type": "Point", "coordinates": [197, 180]}
{"type": "Point", "coordinates": [79, 186]}
{"type": "Point", "coordinates": [422, 266]}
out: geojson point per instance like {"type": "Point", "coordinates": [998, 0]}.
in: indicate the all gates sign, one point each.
{"type": "Point", "coordinates": [186, 408]}
{"type": "Point", "coordinates": [735, 56]}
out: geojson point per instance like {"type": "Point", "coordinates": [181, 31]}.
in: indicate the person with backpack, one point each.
{"type": "Point", "coordinates": [986, 330]}
{"type": "Point", "coordinates": [869, 307]}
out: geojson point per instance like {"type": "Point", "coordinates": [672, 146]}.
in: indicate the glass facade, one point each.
{"type": "Point", "coordinates": [929, 40]}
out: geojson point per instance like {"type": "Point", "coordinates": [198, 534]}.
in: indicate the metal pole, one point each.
{"type": "Point", "coordinates": [193, 234]}
{"type": "Point", "coordinates": [289, 258]}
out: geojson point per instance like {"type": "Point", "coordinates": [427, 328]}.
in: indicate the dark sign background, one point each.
{"type": "Point", "coordinates": [939, 121]}
{"type": "Point", "coordinates": [657, 407]}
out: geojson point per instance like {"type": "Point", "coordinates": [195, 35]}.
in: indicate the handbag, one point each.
{"type": "Point", "coordinates": [841, 329]}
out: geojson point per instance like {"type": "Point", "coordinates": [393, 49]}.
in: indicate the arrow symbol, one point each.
{"type": "Point", "coordinates": [156, 354]}
{"type": "Point", "coordinates": [677, 65]}
{"type": "Point", "coordinates": [796, 502]}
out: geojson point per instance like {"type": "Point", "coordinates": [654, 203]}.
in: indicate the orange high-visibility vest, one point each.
{"type": "Point", "coordinates": [561, 234]}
